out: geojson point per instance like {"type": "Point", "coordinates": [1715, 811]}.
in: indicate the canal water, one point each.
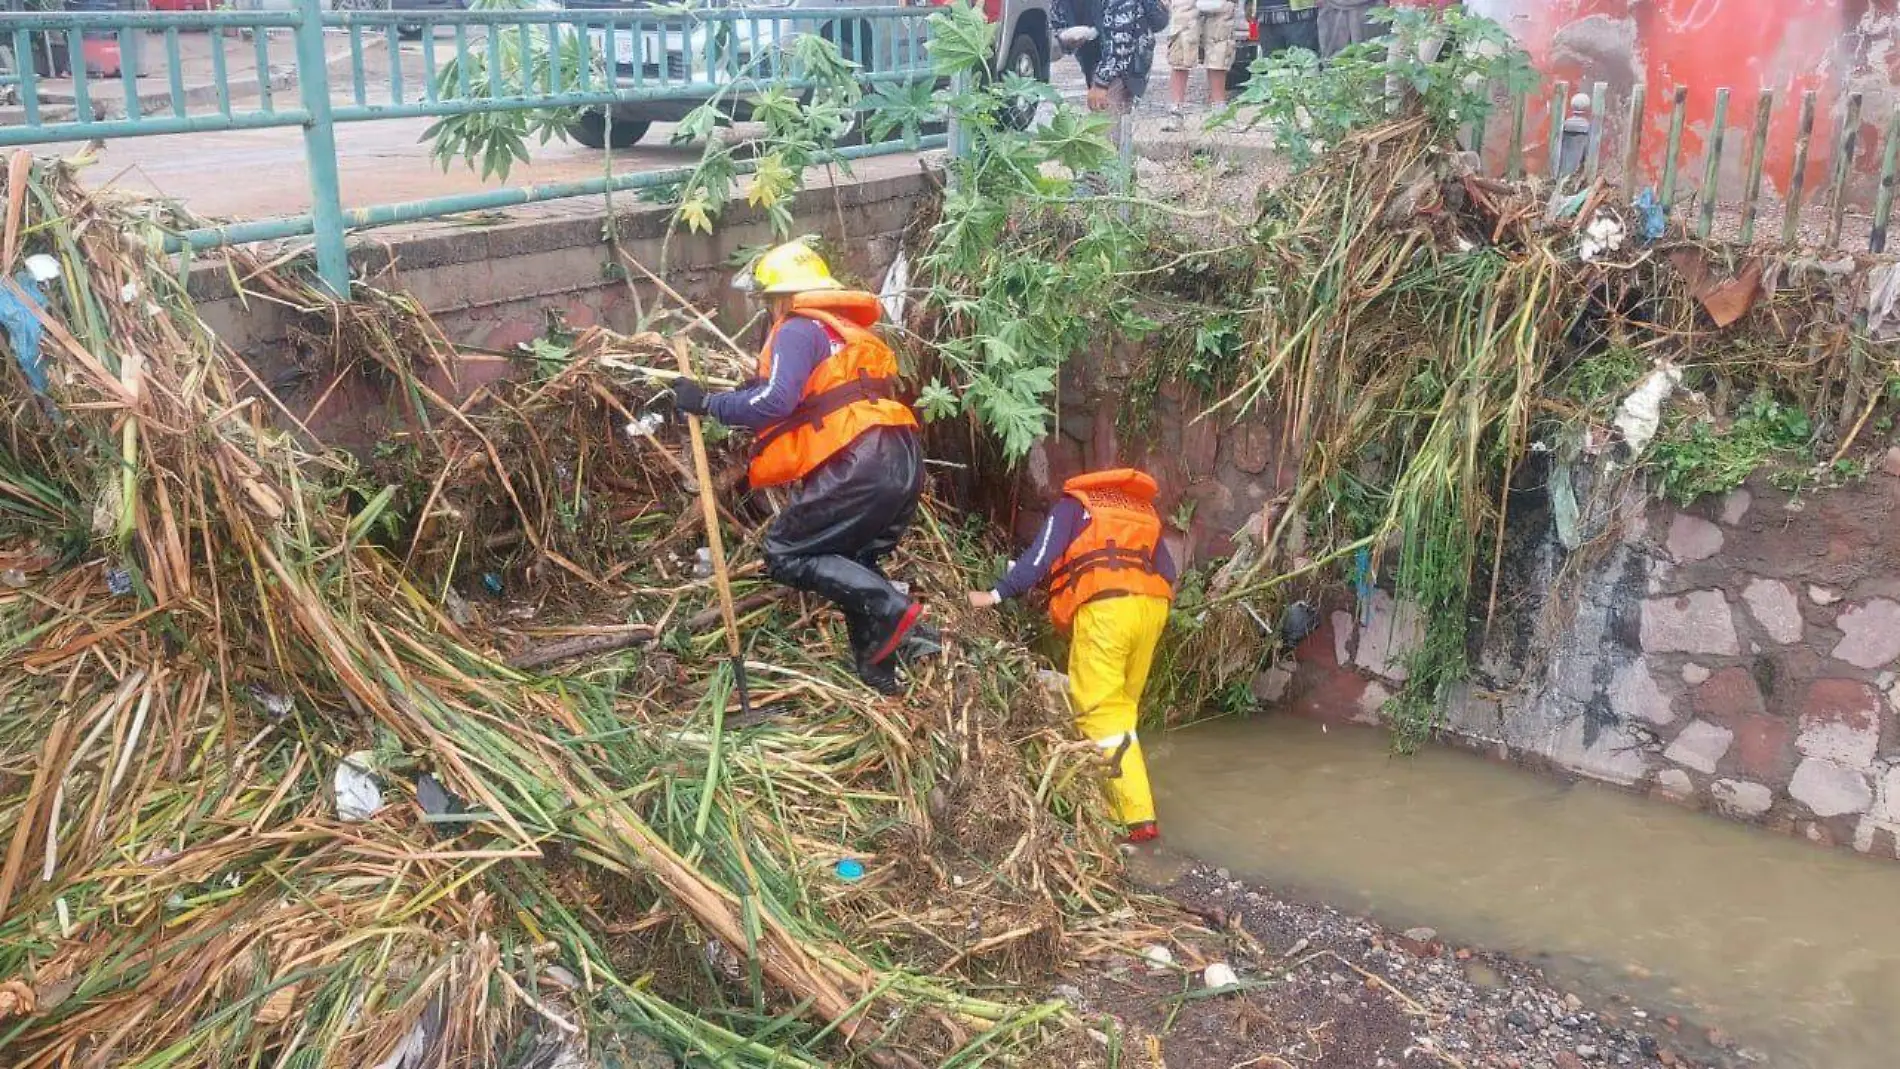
{"type": "Point", "coordinates": [1791, 949]}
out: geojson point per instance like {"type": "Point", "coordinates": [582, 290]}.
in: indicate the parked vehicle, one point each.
{"type": "Point", "coordinates": [406, 29]}
{"type": "Point", "coordinates": [1272, 26]}
{"type": "Point", "coordinates": [677, 52]}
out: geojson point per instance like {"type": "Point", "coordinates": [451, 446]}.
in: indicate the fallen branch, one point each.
{"type": "Point", "coordinates": [589, 645]}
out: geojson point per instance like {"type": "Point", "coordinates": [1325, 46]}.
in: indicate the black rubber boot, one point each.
{"type": "Point", "coordinates": [880, 676]}
{"type": "Point", "coordinates": [923, 643]}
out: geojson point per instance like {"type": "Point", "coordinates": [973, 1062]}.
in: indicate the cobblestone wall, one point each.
{"type": "Point", "coordinates": [1738, 656]}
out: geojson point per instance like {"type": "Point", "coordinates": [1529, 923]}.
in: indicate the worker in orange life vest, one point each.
{"type": "Point", "coordinates": [1110, 584]}
{"type": "Point", "coordinates": [829, 424]}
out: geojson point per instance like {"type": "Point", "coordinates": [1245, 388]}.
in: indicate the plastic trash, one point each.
{"type": "Point", "coordinates": [850, 870]}
{"type": "Point", "coordinates": [1605, 234]}
{"type": "Point", "coordinates": [1076, 36]}
{"type": "Point", "coordinates": [358, 793]}
{"type": "Point", "coordinates": [435, 799]}
{"type": "Point", "coordinates": [702, 563]}
{"type": "Point", "coordinates": [1654, 215]}
{"type": "Point", "coordinates": [276, 705]}
{"type": "Point", "coordinates": [119, 582]}
{"type": "Point", "coordinates": [1219, 975]}
{"type": "Point", "coordinates": [1301, 620]}
{"type": "Point", "coordinates": [492, 583]}
{"type": "Point", "coordinates": [1158, 956]}
{"type": "Point", "coordinates": [646, 426]}
{"type": "Point", "coordinates": [896, 289]}
{"type": "Point", "coordinates": [1641, 412]}
{"type": "Point", "coordinates": [24, 330]}
{"type": "Point", "coordinates": [413, 1051]}
{"type": "Point", "coordinates": [42, 268]}
{"type": "Point", "coordinates": [457, 607]}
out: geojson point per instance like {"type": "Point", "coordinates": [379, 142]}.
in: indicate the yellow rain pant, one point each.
{"type": "Point", "coordinates": [1110, 651]}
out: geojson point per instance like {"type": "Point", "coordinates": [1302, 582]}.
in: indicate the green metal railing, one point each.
{"type": "Point", "coordinates": [684, 59]}
{"type": "Point", "coordinates": [1803, 218]}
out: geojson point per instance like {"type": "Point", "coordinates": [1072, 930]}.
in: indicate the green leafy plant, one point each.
{"type": "Point", "coordinates": [802, 130]}
{"type": "Point", "coordinates": [497, 140]}
{"type": "Point", "coordinates": [1310, 106]}
{"type": "Point", "coordinates": [1699, 459]}
{"type": "Point", "coordinates": [1600, 380]}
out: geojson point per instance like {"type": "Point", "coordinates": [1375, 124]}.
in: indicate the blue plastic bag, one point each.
{"type": "Point", "coordinates": [1655, 217]}
{"type": "Point", "coordinates": [24, 330]}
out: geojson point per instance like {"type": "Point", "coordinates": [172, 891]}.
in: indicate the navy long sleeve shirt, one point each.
{"type": "Point", "coordinates": [1066, 521]}
{"type": "Point", "coordinates": [799, 347]}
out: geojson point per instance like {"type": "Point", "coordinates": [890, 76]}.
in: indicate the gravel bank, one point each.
{"type": "Point", "coordinates": [1318, 989]}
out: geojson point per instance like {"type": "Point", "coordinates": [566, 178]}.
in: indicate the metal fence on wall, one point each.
{"type": "Point", "coordinates": [719, 52]}
{"type": "Point", "coordinates": [1720, 189]}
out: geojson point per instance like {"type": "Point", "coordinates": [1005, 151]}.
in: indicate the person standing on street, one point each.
{"type": "Point", "coordinates": [1200, 33]}
{"type": "Point", "coordinates": [1111, 581]}
{"type": "Point", "coordinates": [1117, 58]}
{"type": "Point", "coordinates": [829, 424]}
{"type": "Point", "coordinates": [1347, 22]}
{"type": "Point", "coordinates": [1350, 22]}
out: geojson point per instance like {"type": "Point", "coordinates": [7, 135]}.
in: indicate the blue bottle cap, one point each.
{"type": "Point", "coordinates": [849, 869]}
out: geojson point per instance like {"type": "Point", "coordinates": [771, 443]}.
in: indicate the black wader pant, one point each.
{"type": "Point", "coordinates": [843, 520]}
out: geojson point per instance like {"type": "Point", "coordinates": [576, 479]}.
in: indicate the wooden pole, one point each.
{"type": "Point", "coordinates": [709, 508]}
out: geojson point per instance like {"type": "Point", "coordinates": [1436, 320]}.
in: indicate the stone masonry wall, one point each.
{"type": "Point", "coordinates": [1737, 656]}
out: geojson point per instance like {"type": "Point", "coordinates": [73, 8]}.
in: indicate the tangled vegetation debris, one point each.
{"type": "Point", "coordinates": [208, 612]}
{"type": "Point", "coordinates": [1429, 340]}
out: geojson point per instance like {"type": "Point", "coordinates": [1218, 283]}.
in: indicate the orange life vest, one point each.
{"type": "Point", "coordinates": [1114, 554]}
{"type": "Point", "coordinates": [850, 392]}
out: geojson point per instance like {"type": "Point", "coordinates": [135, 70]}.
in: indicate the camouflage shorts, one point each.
{"type": "Point", "coordinates": [1197, 40]}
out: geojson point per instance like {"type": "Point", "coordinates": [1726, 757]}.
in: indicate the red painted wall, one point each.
{"type": "Point", "coordinates": [1790, 46]}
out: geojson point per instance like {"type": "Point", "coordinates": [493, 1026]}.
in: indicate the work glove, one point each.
{"type": "Point", "coordinates": [689, 397]}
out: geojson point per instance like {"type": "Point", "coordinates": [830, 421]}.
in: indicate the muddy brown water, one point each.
{"type": "Point", "coordinates": [1793, 950]}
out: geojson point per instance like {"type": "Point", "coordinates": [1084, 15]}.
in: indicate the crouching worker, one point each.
{"type": "Point", "coordinates": [1110, 583]}
{"type": "Point", "coordinates": [829, 424]}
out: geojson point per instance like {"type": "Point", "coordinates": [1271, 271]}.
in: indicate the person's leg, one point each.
{"type": "Point", "coordinates": [906, 459]}
{"type": "Point", "coordinates": [1101, 653]}
{"type": "Point", "coordinates": [848, 506]}
{"type": "Point", "coordinates": [1335, 31]}
{"type": "Point", "coordinates": [1184, 53]}
{"type": "Point", "coordinates": [1364, 30]}
{"type": "Point", "coordinates": [1217, 52]}
{"type": "Point", "coordinates": [1177, 98]}
{"type": "Point", "coordinates": [1146, 618]}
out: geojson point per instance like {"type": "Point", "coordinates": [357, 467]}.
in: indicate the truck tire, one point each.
{"type": "Point", "coordinates": [591, 130]}
{"type": "Point", "coordinates": [1024, 58]}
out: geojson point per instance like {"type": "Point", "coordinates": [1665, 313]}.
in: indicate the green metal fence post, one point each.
{"type": "Point", "coordinates": [319, 149]}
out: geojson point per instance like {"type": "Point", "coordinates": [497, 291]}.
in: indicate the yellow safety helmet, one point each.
{"type": "Point", "coordinates": [792, 268]}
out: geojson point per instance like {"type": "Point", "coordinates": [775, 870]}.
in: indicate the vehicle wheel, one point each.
{"type": "Point", "coordinates": [410, 31]}
{"type": "Point", "coordinates": [592, 131]}
{"type": "Point", "coordinates": [1025, 59]}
